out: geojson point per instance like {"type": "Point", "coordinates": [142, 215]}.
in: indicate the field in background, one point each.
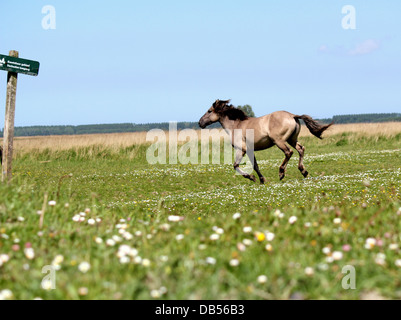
{"type": "Point", "coordinates": [123, 229]}
{"type": "Point", "coordinates": [121, 140]}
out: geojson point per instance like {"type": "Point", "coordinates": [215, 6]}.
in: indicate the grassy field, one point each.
{"type": "Point", "coordinates": [115, 227]}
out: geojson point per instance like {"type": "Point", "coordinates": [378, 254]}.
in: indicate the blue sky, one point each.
{"type": "Point", "coordinates": [154, 61]}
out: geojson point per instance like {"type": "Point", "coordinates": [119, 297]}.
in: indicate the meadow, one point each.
{"type": "Point", "coordinates": [114, 227]}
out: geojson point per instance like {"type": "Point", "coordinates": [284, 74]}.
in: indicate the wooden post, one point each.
{"type": "Point", "coordinates": [8, 140]}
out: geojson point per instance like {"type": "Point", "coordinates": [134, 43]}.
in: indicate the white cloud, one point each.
{"type": "Point", "coordinates": [365, 47]}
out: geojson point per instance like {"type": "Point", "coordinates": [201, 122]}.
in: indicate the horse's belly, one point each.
{"type": "Point", "coordinates": [263, 144]}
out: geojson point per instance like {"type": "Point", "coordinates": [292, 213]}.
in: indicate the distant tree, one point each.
{"type": "Point", "coordinates": [247, 109]}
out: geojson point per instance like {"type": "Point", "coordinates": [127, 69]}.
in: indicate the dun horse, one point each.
{"type": "Point", "coordinates": [277, 128]}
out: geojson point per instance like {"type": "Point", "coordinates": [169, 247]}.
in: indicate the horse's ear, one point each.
{"type": "Point", "coordinates": [224, 102]}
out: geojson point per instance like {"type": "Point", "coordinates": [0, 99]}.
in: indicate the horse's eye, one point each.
{"type": "Point", "coordinates": [210, 111]}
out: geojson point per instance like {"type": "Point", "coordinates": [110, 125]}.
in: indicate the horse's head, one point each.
{"type": "Point", "coordinates": [213, 114]}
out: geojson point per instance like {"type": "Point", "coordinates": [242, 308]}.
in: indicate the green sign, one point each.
{"type": "Point", "coordinates": [18, 65]}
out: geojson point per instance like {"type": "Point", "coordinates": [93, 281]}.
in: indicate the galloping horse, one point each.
{"type": "Point", "coordinates": [277, 128]}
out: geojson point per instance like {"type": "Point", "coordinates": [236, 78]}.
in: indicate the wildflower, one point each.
{"type": "Point", "coordinates": [6, 295]}
{"type": "Point", "coordinates": [337, 255]}
{"type": "Point", "coordinates": [165, 227]}
{"type": "Point", "coordinates": [84, 267]}
{"type": "Point", "coordinates": [393, 246]}
{"type": "Point", "coordinates": [269, 247]}
{"type": "Point", "coordinates": [241, 247]}
{"type": "Point", "coordinates": [21, 219]}
{"type": "Point", "coordinates": [155, 294]}
{"type": "Point", "coordinates": [179, 237]}
{"type": "Point", "coordinates": [117, 239]}
{"type": "Point", "coordinates": [99, 240]}
{"type": "Point", "coordinates": [370, 243]}
{"type": "Point", "coordinates": [247, 242]}
{"type": "Point", "coordinates": [326, 251]}
{"type": "Point", "coordinates": [292, 219]}
{"type": "Point", "coordinates": [398, 263]}
{"type": "Point", "coordinates": [110, 242]}
{"type": "Point", "coordinates": [29, 253]}
{"type": "Point", "coordinates": [175, 218]}
{"type": "Point", "coordinates": [270, 236]}
{"type": "Point", "coordinates": [347, 247]}
{"type": "Point", "coordinates": [202, 246]}
{"type": "Point", "coordinates": [219, 231]}
{"type": "Point", "coordinates": [146, 262]}
{"type": "Point", "coordinates": [262, 279]}
{"type": "Point", "coordinates": [210, 260]}
{"type": "Point", "coordinates": [337, 221]}
{"type": "Point", "coordinates": [278, 214]}
{"type": "Point", "coordinates": [4, 258]}
{"type": "Point", "coordinates": [247, 229]}
{"type": "Point", "coordinates": [236, 216]}
{"type": "Point", "coordinates": [214, 237]}
{"type": "Point", "coordinates": [137, 260]}
{"type": "Point", "coordinates": [380, 259]}
{"type": "Point", "coordinates": [59, 259]}
{"type": "Point", "coordinates": [91, 222]}
{"type": "Point", "coordinates": [309, 271]}
{"type": "Point", "coordinates": [234, 263]}
{"type": "Point", "coordinates": [260, 236]}
{"type": "Point", "coordinates": [124, 260]}
{"type": "Point", "coordinates": [47, 285]}
{"type": "Point", "coordinates": [83, 291]}
{"type": "Point", "coordinates": [52, 203]}
{"type": "Point", "coordinates": [76, 218]}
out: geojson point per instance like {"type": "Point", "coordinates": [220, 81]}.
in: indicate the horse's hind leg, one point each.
{"type": "Point", "coordinates": [256, 168]}
{"type": "Point", "coordinates": [301, 150]}
{"type": "Point", "coordinates": [238, 157]}
{"type": "Point", "coordinates": [288, 154]}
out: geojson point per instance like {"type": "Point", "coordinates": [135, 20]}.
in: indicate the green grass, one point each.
{"type": "Point", "coordinates": [356, 180]}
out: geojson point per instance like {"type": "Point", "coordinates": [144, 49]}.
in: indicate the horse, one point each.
{"type": "Point", "coordinates": [277, 128]}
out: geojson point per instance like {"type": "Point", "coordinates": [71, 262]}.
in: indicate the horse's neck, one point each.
{"type": "Point", "coordinates": [228, 124]}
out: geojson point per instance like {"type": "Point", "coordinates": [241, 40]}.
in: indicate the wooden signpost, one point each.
{"type": "Point", "coordinates": [14, 65]}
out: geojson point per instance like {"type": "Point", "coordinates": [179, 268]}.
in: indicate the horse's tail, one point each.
{"type": "Point", "coordinates": [314, 127]}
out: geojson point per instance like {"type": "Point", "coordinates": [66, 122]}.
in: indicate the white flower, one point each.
{"type": "Point", "coordinates": [262, 279]}
{"type": "Point", "coordinates": [270, 236]}
{"type": "Point", "coordinates": [6, 295]}
{"type": "Point", "coordinates": [269, 247]}
{"type": "Point", "coordinates": [179, 237]}
{"type": "Point", "coordinates": [117, 239]}
{"type": "Point", "coordinates": [326, 251]}
{"type": "Point", "coordinates": [247, 242]}
{"type": "Point", "coordinates": [99, 240]}
{"type": "Point", "coordinates": [175, 218]}
{"type": "Point", "coordinates": [309, 271]}
{"type": "Point", "coordinates": [4, 258]}
{"type": "Point", "coordinates": [370, 243]}
{"type": "Point", "coordinates": [146, 262]}
{"type": "Point", "coordinates": [91, 222]}
{"type": "Point", "coordinates": [337, 255]}
{"type": "Point", "coordinates": [219, 231]}
{"type": "Point", "coordinates": [83, 291]}
{"type": "Point", "coordinates": [236, 216]}
{"type": "Point", "coordinates": [278, 214]}
{"type": "Point", "coordinates": [155, 294]}
{"type": "Point", "coordinates": [210, 260]}
{"type": "Point", "coordinates": [76, 218]}
{"type": "Point", "coordinates": [84, 267]}
{"type": "Point", "coordinates": [247, 229]}
{"type": "Point", "coordinates": [292, 219]}
{"type": "Point", "coordinates": [380, 259]}
{"type": "Point", "coordinates": [47, 285]}
{"type": "Point", "coordinates": [214, 237]}
{"type": "Point", "coordinates": [21, 219]}
{"type": "Point", "coordinates": [398, 263]}
{"type": "Point", "coordinates": [234, 263]}
{"type": "Point", "coordinates": [58, 260]}
{"type": "Point", "coordinates": [137, 260]}
{"type": "Point", "coordinates": [124, 260]}
{"type": "Point", "coordinates": [393, 246]}
{"type": "Point", "coordinates": [110, 242]}
{"type": "Point", "coordinates": [337, 221]}
{"type": "Point", "coordinates": [52, 203]}
{"type": "Point", "coordinates": [29, 253]}
{"type": "Point", "coordinates": [241, 247]}
{"type": "Point", "coordinates": [138, 234]}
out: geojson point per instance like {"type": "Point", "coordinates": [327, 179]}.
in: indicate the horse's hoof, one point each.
{"type": "Point", "coordinates": [282, 176]}
{"type": "Point", "coordinates": [305, 174]}
{"type": "Point", "coordinates": [252, 177]}
{"type": "Point", "coordinates": [263, 180]}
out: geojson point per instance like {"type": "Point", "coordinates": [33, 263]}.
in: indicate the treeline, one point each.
{"type": "Point", "coordinates": [131, 127]}
{"type": "Point", "coordinates": [364, 118]}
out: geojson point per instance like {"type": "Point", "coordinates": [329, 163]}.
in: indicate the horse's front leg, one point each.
{"type": "Point", "coordinates": [256, 168]}
{"type": "Point", "coordinates": [239, 155]}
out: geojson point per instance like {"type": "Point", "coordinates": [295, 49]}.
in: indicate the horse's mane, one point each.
{"type": "Point", "coordinates": [233, 113]}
